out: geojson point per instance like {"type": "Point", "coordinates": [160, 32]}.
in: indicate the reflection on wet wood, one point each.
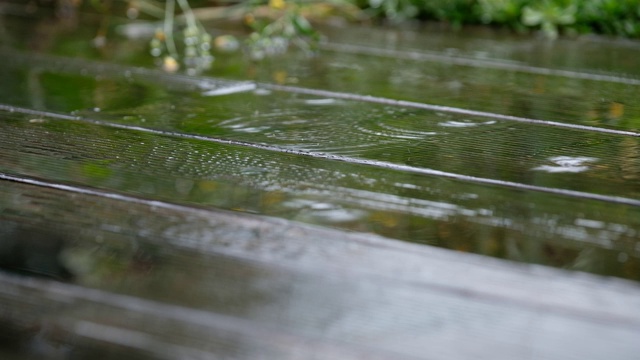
{"type": "Point", "coordinates": [165, 279]}
{"type": "Point", "coordinates": [31, 251]}
{"type": "Point", "coordinates": [362, 197]}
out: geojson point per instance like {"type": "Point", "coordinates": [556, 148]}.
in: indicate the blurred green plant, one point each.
{"type": "Point", "coordinates": [284, 24]}
{"type": "Point", "coordinates": [552, 17]}
{"type": "Point", "coordinates": [614, 17]}
{"type": "Point", "coordinates": [181, 40]}
{"type": "Point", "coordinates": [196, 42]}
{"type": "Point", "coordinates": [549, 15]}
{"type": "Point", "coordinates": [394, 10]}
{"type": "Point", "coordinates": [500, 11]}
{"type": "Point", "coordinates": [275, 24]}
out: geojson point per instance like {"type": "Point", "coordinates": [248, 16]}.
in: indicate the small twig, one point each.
{"type": "Point", "coordinates": [168, 28]}
{"type": "Point", "coordinates": [151, 8]}
{"type": "Point", "coordinates": [189, 16]}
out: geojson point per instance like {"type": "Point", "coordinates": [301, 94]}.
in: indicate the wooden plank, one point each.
{"type": "Point", "coordinates": [497, 91]}
{"type": "Point", "coordinates": [539, 154]}
{"type": "Point", "coordinates": [534, 154]}
{"type": "Point", "coordinates": [288, 290]}
{"type": "Point", "coordinates": [551, 92]}
{"type": "Point", "coordinates": [51, 320]}
{"type": "Point", "coordinates": [482, 47]}
{"type": "Point", "coordinates": [492, 220]}
{"type": "Point", "coordinates": [117, 200]}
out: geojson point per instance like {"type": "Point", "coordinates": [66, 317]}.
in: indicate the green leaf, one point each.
{"type": "Point", "coordinates": [302, 25]}
{"type": "Point", "coordinates": [531, 17]}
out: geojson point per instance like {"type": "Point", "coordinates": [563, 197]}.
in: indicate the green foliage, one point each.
{"type": "Point", "coordinates": [549, 15]}
{"type": "Point", "coordinates": [394, 10]}
{"type": "Point", "coordinates": [500, 11]}
{"type": "Point", "coordinates": [456, 12]}
{"type": "Point", "coordinates": [287, 25]}
{"type": "Point", "coordinates": [616, 17]}
{"type": "Point", "coordinates": [453, 11]}
{"type": "Point", "coordinates": [277, 24]}
{"type": "Point", "coordinates": [613, 17]}
{"type": "Point", "coordinates": [182, 41]}
{"type": "Point", "coordinates": [196, 42]}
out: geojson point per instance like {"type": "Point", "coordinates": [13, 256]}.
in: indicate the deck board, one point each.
{"type": "Point", "coordinates": [392, 198]}
{"type": "Point", "coordinates": [437, 141]}
{"type": "Point", "coordinates": [426, 209]}
{"type": "Point", "coordinates": [290, 284]}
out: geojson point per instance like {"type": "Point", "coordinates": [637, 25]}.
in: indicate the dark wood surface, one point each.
{"type": "Point", "coordinates": [174, 229]}
{"type": "Point", "coordinates": [180, 281]}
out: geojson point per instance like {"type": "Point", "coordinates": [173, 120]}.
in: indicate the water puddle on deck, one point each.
{"type": "Point", "coordinates": [477, 151]}
{"type": "Point", "coordinates": [240, 213]}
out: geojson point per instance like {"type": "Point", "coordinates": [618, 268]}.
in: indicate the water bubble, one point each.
{"type": "Point", "coordinates": [567, 164]}
{"type": "Point", "coordinates": [262, 92]}
{"type": "Point", "coordinates": [465, 123]}
{"type": "Point", "coordinates": [322, 206]}
{"type": "Point", "coordinates": [328, 101]}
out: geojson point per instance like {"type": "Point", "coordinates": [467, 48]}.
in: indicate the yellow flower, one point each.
{"type": "Point", "coordinates": [249, 19]}
{"type": "Point", "coordinates": [280, 76]}
{"type": "Point", "coordinates": [277, 4]}
{"type": "Point", "coordinates": [616, 110]}
{"type": "Point", "coordinates": [170, 64]}
{"type": "Point", "coordinates": [160, 35]}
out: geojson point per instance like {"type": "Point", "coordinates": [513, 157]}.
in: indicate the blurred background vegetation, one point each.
{"type": "Point", "coordinates": [613, 17]}
{"type": "Point", "coordinates": [180, 41]}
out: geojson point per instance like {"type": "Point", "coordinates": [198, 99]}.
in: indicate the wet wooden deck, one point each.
{"type": "Point", "coordinates": [399, 221]}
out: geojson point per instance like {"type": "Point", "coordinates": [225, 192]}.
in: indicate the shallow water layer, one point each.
{"type": "Point", "coordinates": [516, 131]}
{"type": "Point", "coordinates": [326, 190]}
{"type": "Point", "coordinates": [360, 203]}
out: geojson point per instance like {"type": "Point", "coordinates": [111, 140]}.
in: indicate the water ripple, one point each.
{"type": "Point", "coordinates": [465, 123]}
{"type": "Point", "coordinates": [567, 164]}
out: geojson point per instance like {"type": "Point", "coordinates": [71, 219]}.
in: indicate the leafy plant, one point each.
{"type": "Point", "coordinates": [549, 15]}
{"type": "Point", "coordinates": [616, 17]}
{"type": "Point", "coordinates": [278, 24]}
{"type": "Point", "coordinates": [284, 25]}
{"type": "Point", "coordinates": [506, 12]}
{"type": "Point", "coordinates": [175, 44]}
{"type": "Point", "coordinates": [394, 10]}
